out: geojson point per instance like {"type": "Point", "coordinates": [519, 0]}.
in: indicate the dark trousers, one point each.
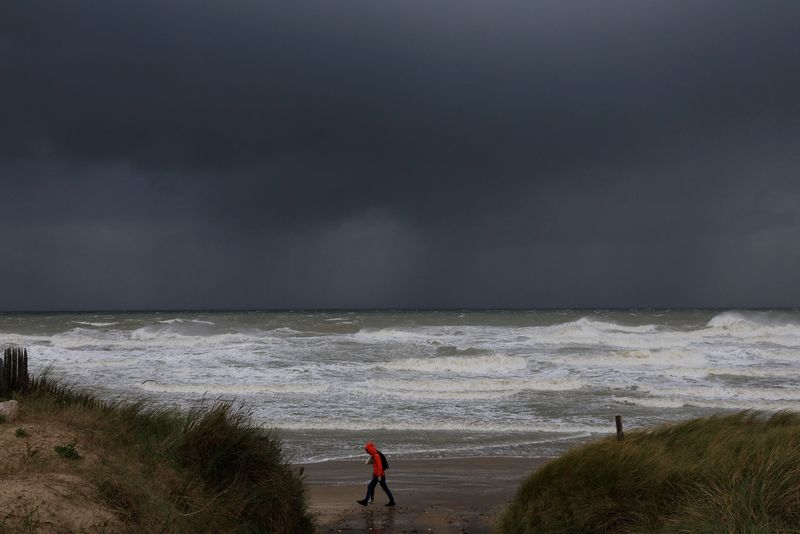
{"type": "Point", "coordinates": [373, 483]}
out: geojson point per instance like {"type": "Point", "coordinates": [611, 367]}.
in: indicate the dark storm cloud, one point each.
{"type": "Point", "coordinates": [358, 154]}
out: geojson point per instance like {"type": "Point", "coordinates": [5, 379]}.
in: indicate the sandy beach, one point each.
{"type": "Point", "coordinates": [433, 495]}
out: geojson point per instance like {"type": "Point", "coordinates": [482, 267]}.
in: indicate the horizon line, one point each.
{"type": "Point", "coordinates": [403, 309]}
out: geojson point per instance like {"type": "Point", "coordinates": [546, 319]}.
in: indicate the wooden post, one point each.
{"type": "Point", "coordinates": [25, 376]}
{"type": "Point", "coordinates": [618, 420]}
{"type": "Point", "coordinates": [14, 370]}
{"type": "Point", "coordinates": [4, 380]}
{"type": "Point", "coordinates": [3, 366]}
{"type": "Point", "coordinates": [12, 385]}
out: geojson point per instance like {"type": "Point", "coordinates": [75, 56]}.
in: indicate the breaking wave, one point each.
{"type": "Point", "coordinates": [638, 357]}
{"type": "Point", "coordinates": [496, 363]}
{"type": "Point", "coordinates": [494, 372]}
{"type": "Point", "coordinates": [441, 426]}
{"type": "Point", "coordinates": [721, 392]}
{"type": "Point", "coordinates": [99, 325]}
{"type": "Point", "coordinates": [228, 389]}
{"type": "Point", "coordinates": [488, 388]}
{"type": "Point", "coordinates": [776, 327]}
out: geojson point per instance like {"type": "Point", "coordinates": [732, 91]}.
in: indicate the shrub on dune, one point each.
{"type": "Point", "coordinates": [727, 473]}
{"type": "Point", "coordinates": [208, 469]}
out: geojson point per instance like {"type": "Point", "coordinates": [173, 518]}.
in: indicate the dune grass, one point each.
{"type": "Point", "coordinates": [735, 473]}
{"type": "Point", "coordinates": [208, 469]}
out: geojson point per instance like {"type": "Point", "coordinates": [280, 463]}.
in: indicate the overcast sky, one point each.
{"type": "Point", "coordinates": [360, 154]}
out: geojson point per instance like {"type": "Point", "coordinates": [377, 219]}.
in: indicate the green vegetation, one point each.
{"type": "Point", "coordinates": [68, 450]}
{"type": "Point", "coordinates": [30, 521]}
{"type": "Point", "coordinates": [20, 433]}
{"type": "Point", "coordinates": [728, 473]}
{"type": "Point", "coordinates": [163, 470]}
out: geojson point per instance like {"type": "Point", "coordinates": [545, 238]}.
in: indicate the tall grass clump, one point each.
{"type": "Point", "coordinates": [207, 469]}
{"type": "Point", "coordinates": [723, 474]}
{"type": "Point", "coordinates": [240, 461]}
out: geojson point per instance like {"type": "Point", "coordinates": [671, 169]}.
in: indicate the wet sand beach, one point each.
{"type": "Point", "coordinates": [433, 495]}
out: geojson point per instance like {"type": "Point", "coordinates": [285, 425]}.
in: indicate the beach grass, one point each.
{"type": "Point", "coordinates": [207, 469]}
{"type": "Point", "coordinates": [722, 474]}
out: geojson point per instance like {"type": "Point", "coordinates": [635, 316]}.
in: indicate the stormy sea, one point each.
{"type": "Point", "coordinates": [429, 384]}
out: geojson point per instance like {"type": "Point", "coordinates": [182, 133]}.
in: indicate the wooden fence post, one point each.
{"type": "Point", "coordinates": [25, 376]}
{"type": "Point", "coordinates": [3, 367]}
{"type": "Point", "coordinates": [14, 371]}
{"type": "Point", "coordinates": [6, 370]}
{"type": "Point", "coordinates": [618, 420]}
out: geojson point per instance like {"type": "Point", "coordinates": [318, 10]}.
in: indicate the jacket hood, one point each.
{"type": "Point", "coordinates": [370, 448]}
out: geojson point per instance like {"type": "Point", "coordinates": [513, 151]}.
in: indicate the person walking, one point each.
{"type": "Point", "coordinates": [378, 476]}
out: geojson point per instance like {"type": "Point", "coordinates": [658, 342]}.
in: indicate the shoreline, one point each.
{"type": "Point", "coordinates": [433, 495]}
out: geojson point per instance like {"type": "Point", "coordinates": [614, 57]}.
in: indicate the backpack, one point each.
{"type": "Point", "coordinates": [384, 461]}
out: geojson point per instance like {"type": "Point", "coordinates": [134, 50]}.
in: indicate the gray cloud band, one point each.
{"type": "Point", "coordinates": [455, 155]}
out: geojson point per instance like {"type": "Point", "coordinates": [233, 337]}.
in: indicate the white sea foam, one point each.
{"type": "Point", "coordinates": [99, 325]}
{"type": "Point", "coordinates": [586, 327]}
{"type": "Point", "coordinates": [24, 340]}
{"type": "Point", "coordinates": [236, 389]}
{"type": "Point", "coordinates": [432, 371]}
{"type": "Point", "coordinates": [640, 357]}
{"type": "Point", "coordinates": [469, 451]}
{"type": "Point", "coordinates": [716, 404]}
{"type": "Point", "coordinates": [721, 392]}
{"type": "Point", "coordinates": [440, 426]}
{"type": "Point", "coordinates": [754, 321]}
{"type": "Point", "coordinates": [395, 335]}
{"type": "Point", "coordinates": [180, 337]}
{"type": "Point", "coordinates": [734, 404]}
{"type": "Point", "coordinates": [86, 338]}
{"type": "Point", "coordinates": [449, 385]}
{"type": "Point", "coordinates": [651, 402]}
{"type": "Point", "coordinates": [179, 320]}
{"type": "Point", "coordinates": [495, 363]}
{"type": "Point", "coordinates": [475, 388]}
{"type": "Point", "coordinates": [285, 330]}
{"type": "Point", "coordinates": [780, 329]}
{"type": "Point", "coordinates": [755, 372]}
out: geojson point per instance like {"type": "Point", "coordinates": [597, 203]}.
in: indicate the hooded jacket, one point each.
{"type": "Point", "coordinates": [377, 464]}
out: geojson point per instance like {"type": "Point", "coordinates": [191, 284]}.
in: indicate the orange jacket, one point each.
{"type": "Point", "coordinates": [377, 465]}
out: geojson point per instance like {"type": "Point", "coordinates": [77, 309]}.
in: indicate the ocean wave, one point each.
{"type": "Point", "coordinates": [591, 327]}
{"type": "Point", "coordinates": [420, 335]}
{"type": "Point", "coordinates": [183, 335]}
{"type": "Point", "coordinates": [717, 404]}
{"type": "Point", "coordinates": [778, 328]}
{"type": "Point", "coordinates": [99, 325]}
{"type": "Point", "coordinates": [594, 333]}
{"type": "Point", "coordinates": [470, 451]}
{"type": "Point", "coordinates": [450, 425]}
{"type": "Point", "coordinates": [288, 331]}
{"type": "Point", "coordinates": [88, 338]}
{"type": "Point", "coordinates": [483, 337]}
{"type": "Point", "coordinates": [24, 340]}
{"type": "Point", "coordinates": [228, 389]}
{"type": "Point", "coordinates": [495, 363]}
{"type": "Point", "coordinates": [724, 393]}
{"type": "Point", "coordinates": [729, 319]}
{"type": "Point", "coordinates": [433, 373]}
{"type": "Point", "coordinates": [638, 357]}
{"type": "Point", "coordinates": [755, 372]}
{"type": "Point", "coordinates": [651, 402]}
{"type": "Point", "coordinates": [487, 388]}
{"type": "Point", "coordinates": [179, 320]}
